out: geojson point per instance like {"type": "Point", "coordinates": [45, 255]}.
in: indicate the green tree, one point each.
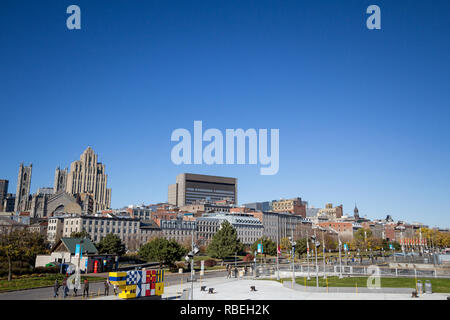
{"type": "Point", "coordinates": [81, 234]}
{"type": "Point", "coordinates": [362, 240]}
{"type": "Point", "coordinates": [331, 243]}
{"type": "Point", "coordinates": [111, 244]}
{"type": "Point", "coordinates": [21, 245]}
{"type": "Point", "coordinates": [163, 251]}
{"type": "Point", "coordinates": [269, 247]}
{"type": "Point", "coordinates": [285, 244]}
{"type": "Point", "coordinates": [301, 247]}
{"type": "Point", "coordinates": [224, 243]}
{"type": "Point", "coordinates": [396, 245]}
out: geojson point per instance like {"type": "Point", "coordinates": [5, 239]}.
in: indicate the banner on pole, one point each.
{"type": "Point", "coordinates": [260, 248]}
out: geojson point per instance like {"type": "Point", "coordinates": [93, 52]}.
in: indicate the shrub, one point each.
{"type": "Point", "coordinates": [248, 258]}
{"type": "Point", "coordinates": [46, 270]}
{"type": "Point", "coordinates": [210, 263]}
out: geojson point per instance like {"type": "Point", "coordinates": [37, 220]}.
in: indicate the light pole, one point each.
{"type": "Point", "coordinates": [323, 249]}
{"type": "Point", "coordinates": [235, 264]}
{"type": "Point", "coordinates": [255, 271]}
{"type": "Point", "coordinates": [365, 241]}
{"type": "Point", "coordinates": [340, 260]}
{"type": "Point", "coordinates": [307, 253]}
{"type": "Point", "coordinates": [315, 252]}
{"type": "Point", "coordinates": [278, 229]}
{"type": "Point", "coordinates": [293, 258]}
{"type": "Point", "coordinates": [190, 256]}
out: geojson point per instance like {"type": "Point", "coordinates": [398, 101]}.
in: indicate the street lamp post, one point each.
{"type": "Point", "coordinates": [315, 252]}
{"type": "Point", "coordinates": [278, 268]}
{"type": "Point", "coordinates": [291, 239]}
{"type": "Point", "coordinates": [340, 260]}
{"type": "Point", "coordinates": [307, 253]}
{"type": "Point", "coordinates": [323, 249]}
{"type": "Point", "coordinates": [235, 264]}
{"type": "Point", "coordinates": [190, 256]}
{"type": "Point", "coordinates": [192, 268]}
{"type": "Point", "coordinates": [255, 271]}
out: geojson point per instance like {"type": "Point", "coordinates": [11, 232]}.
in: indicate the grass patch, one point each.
{"type": "Point", "coordinates": [439, 285]}
{"type": "Point", "coordinates": [39, 281]}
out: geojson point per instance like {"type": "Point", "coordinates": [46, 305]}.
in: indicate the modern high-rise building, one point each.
{"type": "Point", "coordinates": [87, 176]}
{"type": "Point", "coordinates": [23, 187]}
{"type": "Point", "coordinates": [190, 188]}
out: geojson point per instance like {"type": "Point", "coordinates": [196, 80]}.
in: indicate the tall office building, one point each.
{"type": "Point", "coordinates": [23, 187]}
{"type": "Point", "coordinates": [190, 188]}
{"type": "Point", "coordinates": [87, 176]}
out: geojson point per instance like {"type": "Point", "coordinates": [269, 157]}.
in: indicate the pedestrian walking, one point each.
{"type": "Point", "coordinates": [115, 289]}
{"type": "Point", "coordinates": [228, 271]}
{"type": "Point", "coordinates": [64, 286]}
{"type": "Point", "coordinates": [106, 287]}
{"type": "Point", "coordinates": [55, 288]}
{"type": "Point", "coordinates": [86, 288]}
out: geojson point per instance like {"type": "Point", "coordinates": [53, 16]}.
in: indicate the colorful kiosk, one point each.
{"type": "Point", "coordinates": [138, 283]}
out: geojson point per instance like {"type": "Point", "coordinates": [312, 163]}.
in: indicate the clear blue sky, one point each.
{"type": "Point", "coordinates": [363, 115]}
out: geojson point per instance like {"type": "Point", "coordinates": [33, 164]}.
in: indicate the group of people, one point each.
{"type": "Point", "coordinates": [230, 269]}
{"type": "Point", "coordinates": [65, 287]}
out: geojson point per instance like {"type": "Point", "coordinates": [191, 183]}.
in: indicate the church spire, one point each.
{"type": "Point", "coordinates": [356, 211]}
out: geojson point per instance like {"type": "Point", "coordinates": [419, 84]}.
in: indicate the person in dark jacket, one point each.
{"type": "Point", "coordinates": [86, 288]}
{"type": "Point", "coordinates": [106, 287]}
{"type": "Point", "coordinates": [55, 288]}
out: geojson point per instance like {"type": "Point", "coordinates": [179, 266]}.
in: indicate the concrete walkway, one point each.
{"type": "Point", "coordinates": [237, 289]}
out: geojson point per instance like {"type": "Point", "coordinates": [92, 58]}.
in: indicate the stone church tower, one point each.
{"type": "Point", "coordinates": [87, 176]}
{"type": "Point", "coordinates": [23, 188]}
{"type": "Point", "coordinates": [60, 182]}
{"type": "Point", "coordinates": [356, 213]}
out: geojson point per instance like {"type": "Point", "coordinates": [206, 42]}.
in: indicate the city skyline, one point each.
{"type": "Point", "coordinates": [362, 114]}
{"type": "Point", "coordinates": [348, 210]}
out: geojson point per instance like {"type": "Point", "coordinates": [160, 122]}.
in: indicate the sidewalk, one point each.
{"type": "Point", "coordinates": [237, 289]}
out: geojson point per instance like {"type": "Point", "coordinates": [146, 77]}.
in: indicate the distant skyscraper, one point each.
{"type": "Point", "coordinates": [87, 176]}
{"type": "Point", "coordinates": [190, 188]}
{"type": "Point", "coordinates": [23, 187]}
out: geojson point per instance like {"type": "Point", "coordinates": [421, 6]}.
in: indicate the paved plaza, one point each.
{"type": "Point", "coordinates": [239, 289]}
